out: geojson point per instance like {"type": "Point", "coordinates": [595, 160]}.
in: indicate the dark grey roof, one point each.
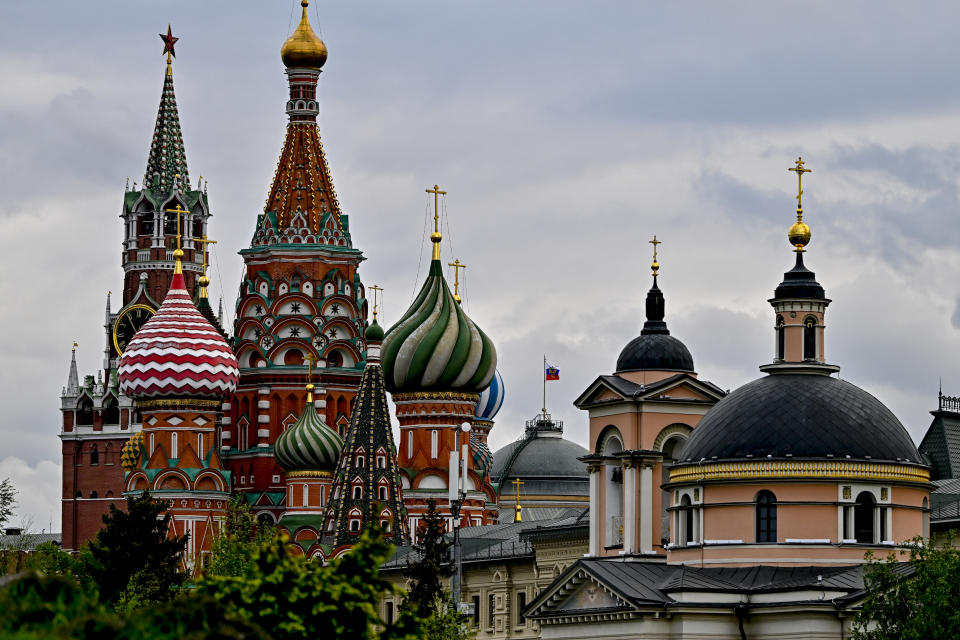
{"type": "Point", "coordinates": [799, 282]}
{"type": "Point", "coordinates": [655, 352]}
{"type": "Point", "coordinates": [941, 445]}
{"type": "Point", "coordinates": [803, 416]}
{"type": "Point", "coordinates": [543, 457]}
{"type": "Point", "coordinates": [29, 541]}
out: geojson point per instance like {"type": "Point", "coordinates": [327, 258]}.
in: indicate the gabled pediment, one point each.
{"type": "Point", "coordinates": [578, 591]}
{"type": "Point", "coordinates": [615, 388]}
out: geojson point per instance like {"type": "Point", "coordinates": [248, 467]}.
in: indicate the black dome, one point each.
{"type": "Point", "coordinates": [804, 415]}
{"type": "Point", "coordinates": [655, 351]}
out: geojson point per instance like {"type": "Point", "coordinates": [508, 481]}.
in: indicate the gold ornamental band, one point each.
{"type": "Point", "coordinates": [309, 474]}
{"type": "Point", "coordinates": [180, 404]}
{"type": "Point", "coordinates": [773, 469]}
{"type": "Point", "coordinates": [436, 395]}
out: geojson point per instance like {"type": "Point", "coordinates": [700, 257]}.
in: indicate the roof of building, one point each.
{"type": "Point", "coordinates": [799, 282]}
{"type": "Point", "coordinates": [491, 399]}
{"type": "Point", "coordinates": [29, 541]}
{"type": "Point", "coordinates": [940, 446]}
{"type": "Point", "coordinates": [655, 348]}
{"type": "Point", "coordinates": [543, 453]}
{"type": "Point", "coordinates": [178, 353]}
{"type": "Point", "coordinates": [308, 444]}
{"type": "Point", "coordinates": [800, 415]}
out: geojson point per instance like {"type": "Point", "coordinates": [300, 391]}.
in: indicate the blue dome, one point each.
{"type": "Point", "coordinates": [491, 399]}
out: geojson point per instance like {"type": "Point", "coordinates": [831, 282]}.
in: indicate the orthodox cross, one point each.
{"type": "Point", "coordinates": [436, 206]}
{"type": "Point", "coordinates": [75, 345]}
{"type": "Point", "coordinates": [203, 242]}
{"type": "Point", "coordinates": [655, 266]}
{"type": "Point", "coordinates": [457, 265]}
{"type": "Point", "coordinates": [179, 211]}
{"type": "Point", "coordinates": [516, 483]}
{"type": "Point", "coordinates": [375, 289]}
{"type": "Point", "coordinates": [800, 170]}
{"type": "Point", "coordinates": [310, 360]}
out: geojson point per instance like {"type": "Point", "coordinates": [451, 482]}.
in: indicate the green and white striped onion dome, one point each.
{"type": "Point", "coordinates": [435, 346]}
{"type": "Point", "coordinates": [309, 444]}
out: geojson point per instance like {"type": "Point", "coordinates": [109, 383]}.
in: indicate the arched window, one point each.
{"type": "Point", "coordinates": [85, 412]}
{"type": "Point", "coordinates": [93, 494]}
{"type": "Point", "coordinates": [434, 444]}
{"type": "Point", "coordinates": [686, 521]}
{"type": "Point", "coordinates": [357, 492]}
{"type": "Point", "coordinates": [334, 359]}
{"type": "Point", "coordinates": [111, 411]}
{"type": "Point", "coordinates": [781, 341]}
{"type": "Point", "coordinates": [766, 517]}
{"type": "Point", "coordinates": [810, 338]}
{"type": "Point", "coordinates": [173, 446]}
{"type": "Point", "coordinates": [360, 462]}
{"type": "Point", "coordinates": [671, 451]}
{"type": "Point", "coordinates": [94, 454]}
{"type": "Point", "coordinates": [863, 519]}
{"type": "Point", "coordinates": [612, 508]}
{"type": "Point", "coordinates": [170, 224]}
{"type": "Point", "coordinates": [382, 493]}
{"type": "Point", "coordinates": [108, 453]}
{"type": "Point", "coordinates": [354, 526]}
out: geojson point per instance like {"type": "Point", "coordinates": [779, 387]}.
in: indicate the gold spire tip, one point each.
{"type": "Point", "coordinates": [457, 265]}
{"type": "Point", "coordinates": [178, 252]}
{"type": "Point", "coordinates": [75, 345]}
{"type": "Point", "coordinates": [655, 266]}
{"type": "Point", "coordinates": [310, 360]}
{"type": "Point", "coordinates": [376, 289]}
{"type": "Point", "coordinates": [799, 233]}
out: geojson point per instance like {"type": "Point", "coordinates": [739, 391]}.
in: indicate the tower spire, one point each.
{"type": "Point", "coordinates": [73, 378]}
{"type": "Point", "coordinates": [656, 306]}
{"type": "Point", "coordinates": [167, 157]}
{"type": "Point", "coordinates": [436, 236]}
{"type": "Point", "coordinates": [799, 234]}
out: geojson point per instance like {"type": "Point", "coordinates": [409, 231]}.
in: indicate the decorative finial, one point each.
{"type": "Point", "coordinates": [655, 266]}
{"type": "Point", "coordinates": [799, 233]}
{"type": "Point", "coordinates": [127, 186]}
{"type": "Point", "coordinates": [457, 265]}
{"type": "Point", "coordinates": [75, 345]}
{"type": "Point", "coordinates": [203, 280]}
{"type": "Point", "coordinates": [375, 289]}
{"type": "Point", "coordinates": [435, 237]}
{"type": "Point", "coordinates": [178, 252]}
{"type": "Point", "coordinates": [310, 360]}
{"type": "Point", "coordinates": [517, 508]}
{"type": "Point", "coordinates": [168, 42]}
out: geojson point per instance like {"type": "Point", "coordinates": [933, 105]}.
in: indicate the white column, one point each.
{"type": "Point", "coordinates": [595, 511]}
{"type": "Point", "coordinates": [646, 509]}
{"type": "Point", "coordinates": [629, 507]}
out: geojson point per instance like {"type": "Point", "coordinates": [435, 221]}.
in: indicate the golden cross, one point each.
{"type": "Point", "coordinates": [457, 265]}
{"type": "Point", "coordinates": [179, 211]}
{"type": "Point", "coordinates": [517, 482]}
{"type": "Point", "coordinates": [375, 289]}
{"type": "Point", "coordinates": [75, 345]}
{"type": "Point", "coordinates": [655, 266]}
{"type": "Point", "coordinates": [800, 170]}
{"type": "Point", "coordinates": [436, 206]}
{"type": "Point", "coordinates": [203, 242]}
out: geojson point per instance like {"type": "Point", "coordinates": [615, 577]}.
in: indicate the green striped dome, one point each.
{"type": "Point", "coordinates": [435, 346]}
{"type": "Point", "coordinates": [309, 444]}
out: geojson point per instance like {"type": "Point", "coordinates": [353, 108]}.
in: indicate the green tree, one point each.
{"type": "Point", "coordinates": [132, 559]}
{"type": "Point", "coordinates": [241, 536]}
{"type": "Point", "coordinates": [432, 566]}
{"type": "Point", "coordinates": [914, 600]}
{"type": "Point", "coordinates": [8, 498]}
{"type": "Point", "coordinates": [297, 599]}
{"type": "Point", "coordinates": [33, 605]}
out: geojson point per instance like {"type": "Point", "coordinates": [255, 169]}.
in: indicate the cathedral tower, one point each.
{"type": "Point", "coordinates": [301, 297]}
{"type": "Point", "coordinates": [436, 362]}
{"type": "Point", "coordinates": [178, 368]}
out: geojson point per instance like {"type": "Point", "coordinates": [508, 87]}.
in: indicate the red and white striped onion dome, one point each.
{"type": "Point", "coordinates": [178, 353]}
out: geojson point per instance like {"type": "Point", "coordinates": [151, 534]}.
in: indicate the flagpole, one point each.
{"type": "Point", "coordinates": [544, 384]}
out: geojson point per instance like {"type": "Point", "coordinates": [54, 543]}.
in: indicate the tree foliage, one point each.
{"type": "Point", "coordinates": [241, 536]}
{"type": "Point", "coordinates": [913, 600]}
{"type": "Point", "coordinates": [296, 599]}
{"type": "Point", "coordinates": [131, 559]}
{"type": "Point", "coordinates": [8, 499]}
{"type": "Point", "coordinates": [432, 566]}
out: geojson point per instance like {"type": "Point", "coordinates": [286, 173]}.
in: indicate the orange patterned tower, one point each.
{"type": "Point", "coordinates": [301, 297]}
{"type": "Point", "coordinates": [436, 362]}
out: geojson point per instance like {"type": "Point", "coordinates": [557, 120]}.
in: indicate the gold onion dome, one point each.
{"type": "Point", "coordinates": [304, 49]}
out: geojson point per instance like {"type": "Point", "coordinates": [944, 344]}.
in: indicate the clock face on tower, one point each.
{"type": "Point", "coordinates": [128, 323]}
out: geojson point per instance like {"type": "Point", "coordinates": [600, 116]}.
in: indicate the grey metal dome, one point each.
{"type": "Point", "coordinates": [800, 416]}
{"type": "Point", "coordinates": [543, 460]}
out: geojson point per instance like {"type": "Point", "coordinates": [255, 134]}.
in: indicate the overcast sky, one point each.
{"type": "Point", "coordinates": [566, 134]}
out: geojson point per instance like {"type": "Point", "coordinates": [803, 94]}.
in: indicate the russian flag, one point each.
{"type": "Point", "coordinates": [551, 373]}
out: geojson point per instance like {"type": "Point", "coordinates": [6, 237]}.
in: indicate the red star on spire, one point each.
{"type": "Point", "coordinates": [168, 42]}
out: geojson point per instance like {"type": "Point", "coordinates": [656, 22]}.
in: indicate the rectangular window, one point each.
{"type": "Point", "coordinates": [173, 445]}
{"type": "Point", "coordinates": [409, 444]}
{"type": "Point", "coordinates": [306, 495]}
{"type": "Point", "coordinates": [476, 611]}
{"type": "Point", "coordinates": [152, 444]}
{"type": "Point", "coordinates": [389, 615]}
{"type": "Point", "coordinates": [521, 605]}
{"type": "Point", "coordinates": [434, 444]}
{"type": "Point", "coordinates": [200, 446]}
{"type": "Point", "coordinates": [491, 606]}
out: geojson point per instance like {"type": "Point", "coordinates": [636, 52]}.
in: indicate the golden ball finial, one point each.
{"type": "Point", "coordinates": [799, 235]}
{"type": "Point", "coordinates": [203, 281]}
{"type": "Point", "coordinates": [303, 48]}
{"type": "Point", "coordinates": [436, 236]}
{"type": "Point", "coordinates": [178, 254]}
